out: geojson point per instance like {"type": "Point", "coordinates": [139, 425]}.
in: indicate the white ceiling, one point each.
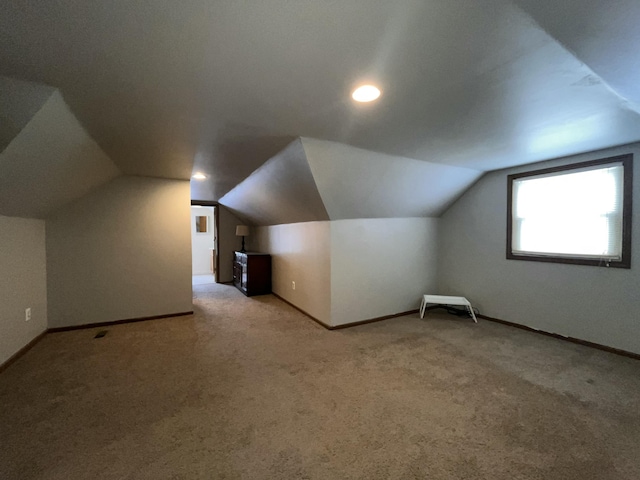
{"type": "Point", "coordinates": [283, 190]}
{"type": "Point", "coordinates": [316, 180]}
{"type": "Point", "coordinates": [19, 102]}
{"type": "Point", "coordinates": [167, 88]}
{"type": "Point", "coordinates": [50, 162]}
{"type": "Point", "coordinates": [356, 183]}
{"type": "Point", "coordinates": [602, 34]}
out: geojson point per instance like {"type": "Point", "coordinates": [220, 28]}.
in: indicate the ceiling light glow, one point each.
{"type": "Point", "coordinates": [199, 176]}
{"type": "Point", "coordinates": [366, 93]}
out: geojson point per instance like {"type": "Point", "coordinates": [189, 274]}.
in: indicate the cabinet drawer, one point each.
{"type": "Point", "coordinates": [252, 273]}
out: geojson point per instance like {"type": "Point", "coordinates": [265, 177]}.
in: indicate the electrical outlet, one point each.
{"type": "Point", "coordinates": [293, 285]}
{"type": "Point", "coordinates": [27, 314]}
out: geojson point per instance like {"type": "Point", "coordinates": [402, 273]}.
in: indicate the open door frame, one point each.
{"type": "Point", "coordinates": [205, 203]}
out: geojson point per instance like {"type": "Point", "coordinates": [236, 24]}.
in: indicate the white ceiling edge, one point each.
{"type": "Point", "coordinates": [281, 191]}
{"type": "Point", "coordinates": [356, 183]}
{"type": "Point", "coordinates": [51, 162]}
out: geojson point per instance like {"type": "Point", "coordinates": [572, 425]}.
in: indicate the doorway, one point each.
{"type": "Point", "coordinates": [204, 248]}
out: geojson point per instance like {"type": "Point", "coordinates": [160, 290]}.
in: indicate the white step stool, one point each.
{"type": "Point", "coordinates": [446, 300]}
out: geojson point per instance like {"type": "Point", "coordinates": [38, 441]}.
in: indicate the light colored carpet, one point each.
{"type": "Point", "coordinates": [249, 388]}
{"type": "Point", "coordinates": [203, 279]}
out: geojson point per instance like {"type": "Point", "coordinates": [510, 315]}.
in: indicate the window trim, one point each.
{"type": "Point", "coordinates": [625, 261]}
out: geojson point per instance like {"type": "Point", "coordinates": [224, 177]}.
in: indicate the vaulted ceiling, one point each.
{"type": "Point", "coordinates": [47, 159]}
{"type": "Point", "coordinates": [170, 87]}
{"type": "Point", "coordinates": [316, 180]}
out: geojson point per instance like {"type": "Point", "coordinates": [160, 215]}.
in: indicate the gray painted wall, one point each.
{"type": "Point", "coordinates": [381, 266]}
{"type": "Point", "coordinates": [590, 303]}
{"type": "Point", "coordinates": [123, 251]}
{"type": "Point", "coordinates": [227, 243]}
{"type": "Point", "coordinates": [301, 253]}
{"type": "Point", "coordinates": [23, 283]}
{"type": "Point", "coordinates": [351, 270]}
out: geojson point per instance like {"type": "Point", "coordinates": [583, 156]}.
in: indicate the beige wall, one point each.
{"type": "Point", "coordinates": [123, 251]}
{"type": "Point", "coordinates": [381, 266]}
{"type": "Point", "coordinates": [227, 243]}
{"type": "Point", "coordinates": [23, 283]}
{"type": "Point", "coordinates": [590, 303]}
{"type": "Point", "coordinates": [301, 253]}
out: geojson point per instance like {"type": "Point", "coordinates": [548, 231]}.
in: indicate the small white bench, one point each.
{"type": "Point", "coordinates": [446, 300]}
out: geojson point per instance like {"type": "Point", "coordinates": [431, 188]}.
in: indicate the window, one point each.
{"type": "Point", "coordinates": [577, 213]}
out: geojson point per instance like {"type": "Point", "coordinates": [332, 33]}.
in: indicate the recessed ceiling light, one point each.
{"type": "Point", "coordinates": [199, 176]}
{"type": "Point", "coordinates": [365, 93]}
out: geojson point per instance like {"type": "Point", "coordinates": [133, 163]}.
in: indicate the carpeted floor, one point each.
{"type": "Point", "coordinates": [202, 279]}
{"type": "Point", "coordinates": [250, 388]}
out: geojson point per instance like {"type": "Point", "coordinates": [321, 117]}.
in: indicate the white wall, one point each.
{"type": "Point", "coordinates": [23, 283]}
{"type": "Point", "coordinates": [596, 304]}
{"type": "Point", "coordinates": [121, 252]}
{"type": "Point", "coordinates": [381, 266]}
{"type": "Point", "coordinates": [301, 252]}
{"type": "Point", "coordinates": [228, 243]}
{"type": "Point", "coordinates": [352, 270]}
{"type": "Point", "coordinates": [202, 243]}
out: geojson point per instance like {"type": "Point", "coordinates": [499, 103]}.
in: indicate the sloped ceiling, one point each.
{"type": "Point", "coordinates": [244, 149]}
{"type": "Point", "coordinates": [314, 180]}
{"type": "Point", "coordinates": [602, 34]}
{"type": "Point", "coordinates": [165, 86]}
{"type": "Point", "coordinates": [50, 162]}
{"type": "Point", "coordinates": [356, 183]}
{"type": "Point", "coordinates": [19, 102]}
{"type": "Point", "coordinates": [282, 190]}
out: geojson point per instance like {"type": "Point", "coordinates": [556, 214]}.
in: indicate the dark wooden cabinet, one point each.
{"type": "Point", "coordinates": [252, 273]}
